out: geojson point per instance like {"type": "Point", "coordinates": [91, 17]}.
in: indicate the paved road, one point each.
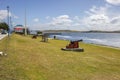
{"type": "Point", "coordinates": [2, 36]}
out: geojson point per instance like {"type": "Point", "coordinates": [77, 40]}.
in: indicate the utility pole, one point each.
{"type": "Point", "coordinates": [8, 20]}
{"type": "Point", "coordinates": [10, 23]}
{"type": "Point", "coordinates": [25, 23]}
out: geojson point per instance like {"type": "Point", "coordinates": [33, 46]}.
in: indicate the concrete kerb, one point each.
{"type": "Point", "coordinates": [2, 36]}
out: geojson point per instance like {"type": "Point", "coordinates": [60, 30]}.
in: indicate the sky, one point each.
{"type": "Point", "coordinates": [81, 15]}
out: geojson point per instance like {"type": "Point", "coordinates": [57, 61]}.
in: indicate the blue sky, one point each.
{"type": "Point", "coordinates": [64, 14]}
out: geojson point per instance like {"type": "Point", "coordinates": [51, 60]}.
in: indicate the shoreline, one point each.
{"type": "Point", "coordinates": [95, 41]}
{"type": "Point", "coordinates": [102, 45]}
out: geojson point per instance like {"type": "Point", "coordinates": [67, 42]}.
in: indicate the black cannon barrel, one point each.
{"type": "Point", "coordinates": [77, 40]}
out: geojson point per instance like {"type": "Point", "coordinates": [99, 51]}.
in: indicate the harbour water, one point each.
{"type": "Point", "coordinates": [109, 39]}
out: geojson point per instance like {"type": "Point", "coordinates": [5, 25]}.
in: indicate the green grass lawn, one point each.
{"type": "Point", "coordinates": [31, 59]}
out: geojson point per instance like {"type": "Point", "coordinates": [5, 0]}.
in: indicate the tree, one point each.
{"type": "Point", "coordinates": [4, 26]}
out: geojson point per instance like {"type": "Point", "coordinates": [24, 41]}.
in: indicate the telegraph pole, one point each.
{"type": "Point", "coordinates": [25, 23]}
{"type": "Point", "coordinates": [8, 20]}
{"type": "Point", "coordinates": [10, 23]}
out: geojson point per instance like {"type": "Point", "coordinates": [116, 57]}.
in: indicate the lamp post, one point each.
{"type": "Point", "coordinates": [8, 19]}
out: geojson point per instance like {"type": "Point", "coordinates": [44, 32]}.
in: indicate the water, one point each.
{"type": "Point", "coordinates": [109, 39]}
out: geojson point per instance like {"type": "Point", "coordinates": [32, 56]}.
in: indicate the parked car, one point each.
{"type": "Point", "coordinates": [4, 32]}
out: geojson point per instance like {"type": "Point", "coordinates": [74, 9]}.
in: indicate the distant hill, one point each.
{"type": "Point", "coordinates": [60, 31]}
{"type": "Point", "coordinates": [95, 31]}
{"type": "Point", "coordinates": [91, 31]}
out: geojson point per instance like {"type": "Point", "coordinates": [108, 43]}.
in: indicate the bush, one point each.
{"type": "Point", "coordinates": [4, 26]}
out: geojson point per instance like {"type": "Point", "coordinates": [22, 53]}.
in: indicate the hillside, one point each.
{"type": "Point", "coordinates": [31, 59]}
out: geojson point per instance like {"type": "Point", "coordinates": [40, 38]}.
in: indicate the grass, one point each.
{"type": "Point", "coordinates": [30, 59]}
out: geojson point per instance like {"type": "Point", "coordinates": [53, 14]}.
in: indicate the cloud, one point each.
{"type": "Point", "coordinates": [60, 22]}
{"type": "Point", "coordinates": [13, 16]}
{"type": "Point", "coordinates": [36, 20]}
{"type": "Point", "coordinates": [63, 20]}
{"type": "Point", "coordinates": [98, 10]}
{"type": "Point", "coordinates": [115, 20]}
{"type": "Point", "coordinates": [96, 18]}
{"type": "Point", "coordinates": [99, 18]}
{"type": "Point", "coordinates": [3, 14]}
{"type": "Point", "coordinates": [47, 17]}
{"type": "Point", "coordinates": [114, 2]}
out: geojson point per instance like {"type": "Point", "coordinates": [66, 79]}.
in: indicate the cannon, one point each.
{"type": "Point", "coordinates": [73, 46]}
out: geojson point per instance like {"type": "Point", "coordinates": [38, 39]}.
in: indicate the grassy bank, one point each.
{"type": "Point", "coordinates": [30, 59]}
